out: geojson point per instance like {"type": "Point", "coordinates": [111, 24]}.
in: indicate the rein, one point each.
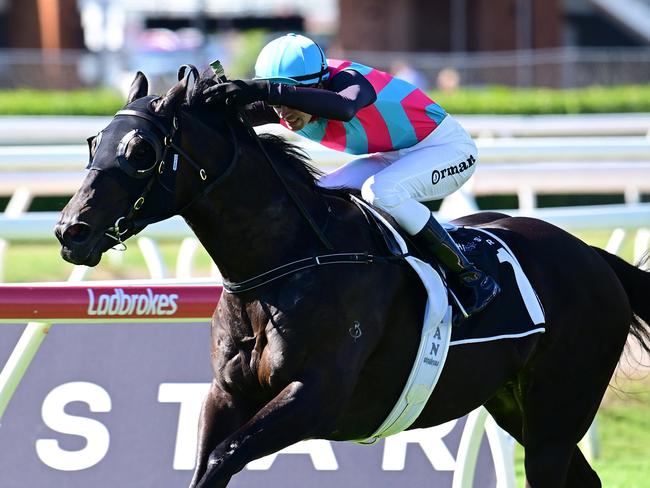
{"type": "Point", "coordinates": [296, 200]}
{"type": "Point", "coordinates": [294, 267]}
{"type": "Point", "coordinates": [306, 263]}
{"type": "Point", "coordinates": [396, 256]}
{"type": "Point", "coordinates": [126, 222]}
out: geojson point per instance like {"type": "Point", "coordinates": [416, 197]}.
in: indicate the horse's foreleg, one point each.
{"type": "Point", "coordinates": [220, 416]}
{"type": "Point", "coordinates": [296, 413]}
{"type": "Point", "coordinates": [580, 473]}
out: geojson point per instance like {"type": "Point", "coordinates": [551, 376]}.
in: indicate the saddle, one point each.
{"type": "Point", "coordinates": [515, 312]}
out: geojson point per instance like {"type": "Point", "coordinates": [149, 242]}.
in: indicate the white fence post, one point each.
{"type": "Point", "coordinates": [3, 252]}
{"type": "Point", "coordinates": [21, 357]}
{"type": "Point", "coordinates": [185, 256]}
{"type": "Point", "coordinates": [79, 273]}
{"type": "Point", "coordinates": [478, 423]}
{"type": "Point", "coordinates": [153, 258]}
{"type": "Point", "coordinates": [615, 241]}
{"type": "Point", "coordinates": [19, 202]}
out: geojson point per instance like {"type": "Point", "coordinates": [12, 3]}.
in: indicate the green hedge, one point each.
{"type": "Point", "coordinates": [500, 100]}
{"type": "Point", "coordinates": [76, 102]}
{"type": "Point", "coordinates": [492, 100]}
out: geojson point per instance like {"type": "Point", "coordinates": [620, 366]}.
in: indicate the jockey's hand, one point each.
{"type": "Point", "coordinates": [237, 92]}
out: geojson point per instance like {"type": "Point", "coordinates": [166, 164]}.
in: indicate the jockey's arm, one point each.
{"type": "Point", "coordinates": [347, 93]}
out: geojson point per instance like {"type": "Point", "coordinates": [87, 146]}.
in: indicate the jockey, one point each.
{"type": "Point", "coordinates": [413, 151]}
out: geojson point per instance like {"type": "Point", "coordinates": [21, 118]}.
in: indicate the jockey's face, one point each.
{"type": "Point", "coordinates": [295, 119]}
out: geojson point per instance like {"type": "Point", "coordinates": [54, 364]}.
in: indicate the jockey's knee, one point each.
{"type": "Point", "coordinates": [383, 193]}
{"type": "Point", "coordinates": [410, 214]}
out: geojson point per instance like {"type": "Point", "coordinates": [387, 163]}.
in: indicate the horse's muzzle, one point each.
{"type": "Point", "coordinates": [77, 243]}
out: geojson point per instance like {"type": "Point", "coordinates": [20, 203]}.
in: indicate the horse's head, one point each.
{"type": "Point", "coordinates": [143, 169]}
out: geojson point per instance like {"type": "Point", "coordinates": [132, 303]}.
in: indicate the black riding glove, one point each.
{"type": "Point", "coordinates": [238, 92]}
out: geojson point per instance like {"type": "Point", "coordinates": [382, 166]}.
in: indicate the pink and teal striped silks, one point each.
{"type": "Point", "coordinates": [401, 116]}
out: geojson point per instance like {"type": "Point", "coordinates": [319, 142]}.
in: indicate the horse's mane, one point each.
{"type": "Point", "coordinates": [292, 156]}
{"type": "Point", "coordinates": [284, 153]}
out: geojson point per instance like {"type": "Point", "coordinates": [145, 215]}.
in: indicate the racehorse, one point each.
{"type": "Point", "coordinates": [286, 365]}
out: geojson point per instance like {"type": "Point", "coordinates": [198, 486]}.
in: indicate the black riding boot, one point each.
{"type": "Point", "coordinates": [481, 288]}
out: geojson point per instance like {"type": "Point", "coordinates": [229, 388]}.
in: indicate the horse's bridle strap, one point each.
{"type": "Point", "coordinates": [306, 263]}
{"type": "Point", "coordinates": [143, 115]}
{"type": "Point", "coordinates": [168, 141]}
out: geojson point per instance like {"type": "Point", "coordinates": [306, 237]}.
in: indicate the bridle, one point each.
{"type": "Point", "coordinates": [127, 222]}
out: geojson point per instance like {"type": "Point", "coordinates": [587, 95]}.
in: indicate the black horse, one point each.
{"type": "Point", "coordinates": [286, 367]}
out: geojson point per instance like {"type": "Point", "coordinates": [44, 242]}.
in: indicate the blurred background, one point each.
{"type": "Point", "coordinates": [554, 43]}
{"type": "Point", "coordinates": [556, 93]}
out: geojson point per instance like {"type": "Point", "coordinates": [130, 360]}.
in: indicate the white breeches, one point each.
{"type": "Point", "coordinates": [397, 181]}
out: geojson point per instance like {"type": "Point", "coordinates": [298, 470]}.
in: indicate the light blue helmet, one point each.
{"type": "Point", "coordinates": [293, 60]}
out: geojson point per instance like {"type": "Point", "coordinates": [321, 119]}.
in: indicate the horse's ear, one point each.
{"type": "Point", "coordinates": [191, 76]}
{"type": "Point", "coordinates": [172, 99]}
{"type": "Point", "coordinates": [139, 87]}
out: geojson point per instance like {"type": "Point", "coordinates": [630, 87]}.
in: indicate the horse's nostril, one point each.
{"type": "Point", "coordinates": [59, 234]}
{"type": "Point", "coordinates": [76, 233]}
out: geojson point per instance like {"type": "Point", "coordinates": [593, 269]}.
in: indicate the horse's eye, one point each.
{"type": "Point", "coordinates": [140, 153]}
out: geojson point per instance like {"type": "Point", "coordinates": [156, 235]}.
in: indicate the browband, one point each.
{"type": "Point", "coordinates": [143, 115]}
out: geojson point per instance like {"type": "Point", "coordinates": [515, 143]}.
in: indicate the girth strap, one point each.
{"type": "Point", "coordinates": [299, 265]}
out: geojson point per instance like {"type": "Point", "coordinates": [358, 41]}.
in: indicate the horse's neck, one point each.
{"type": "Point", "coordinates": [251, 226]}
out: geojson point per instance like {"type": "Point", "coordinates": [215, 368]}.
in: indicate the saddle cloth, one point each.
{"type": "Point", "coordinates": [516, 311]}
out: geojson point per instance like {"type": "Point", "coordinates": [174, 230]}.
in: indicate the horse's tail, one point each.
{"type": "Point", "coordinates": [636, 283]}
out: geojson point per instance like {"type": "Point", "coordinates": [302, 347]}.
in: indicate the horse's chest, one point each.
{"type": "Point", "coordinates": [261, 359]}
{"type": "Point", "coordinates": [274, 365]}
